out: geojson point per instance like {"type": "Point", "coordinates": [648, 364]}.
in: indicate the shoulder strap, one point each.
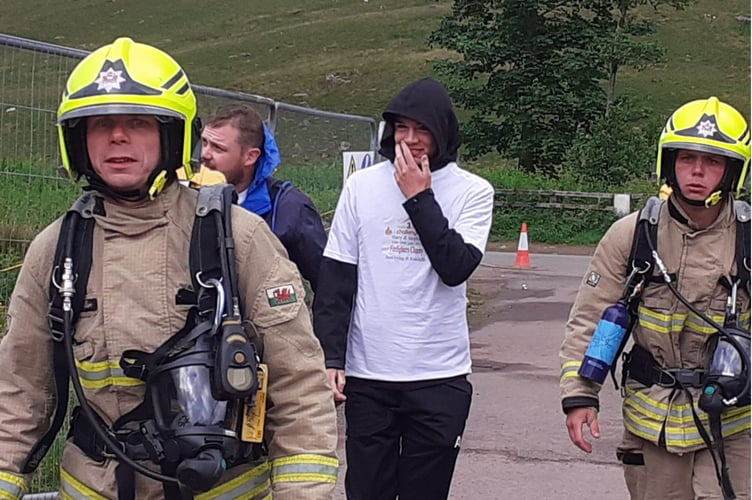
{"type": "Point", "coordinates": [214, 276]}
{"type": "Point", "coordinates": [640, 257]}
{"type": "Point", "coordinates": [277, 189]}
{"type": "Point", "coordinates": [742, 211]}
{"type": "Point", "coordinates": [66, 292]}
{"type": "Point", "coordinates": [275, 186]}
{"type": "Point", "coordinates": [639, 267]}
{"type": "Point", "coordinates": [211, 242]}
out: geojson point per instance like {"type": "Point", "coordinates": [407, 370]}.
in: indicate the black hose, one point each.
{"type": "Point", "coordinates": [78, 389]}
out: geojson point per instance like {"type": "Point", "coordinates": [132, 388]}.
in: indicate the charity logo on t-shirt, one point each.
{"type": "Point", "coordinates": [402, 243]}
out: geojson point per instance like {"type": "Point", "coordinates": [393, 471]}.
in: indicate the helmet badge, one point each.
{"type": "Point", "coordinates": [706, 128]}
{"type": "Point", "coordinates": [114, 79]}
{"type": "Point", "coordinates": [109, 80]}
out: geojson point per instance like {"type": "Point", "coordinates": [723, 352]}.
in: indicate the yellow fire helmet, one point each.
{"type": "Point", "coordinates": [127, 77]}
{"type": "Point", "coordinates": [709, 126]}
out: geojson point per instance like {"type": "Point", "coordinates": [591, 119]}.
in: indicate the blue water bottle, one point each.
{"type": "Point", "coordinates": [605, 343]}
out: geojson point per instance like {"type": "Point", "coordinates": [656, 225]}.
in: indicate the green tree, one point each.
{"type": "Point", "coordinates": [533, 73]}
{"type": "Point", "coordinates": [619, 148]}
{"type": "Point", "coordinates": [629, 46]}
{"type": "Point", "coordinates": [530, 74]}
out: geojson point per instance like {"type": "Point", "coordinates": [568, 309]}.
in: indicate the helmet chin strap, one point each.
{"type": "Point", "coordinates": [712, 200]}
{"type": "Point", "coordinates": [155, 184]}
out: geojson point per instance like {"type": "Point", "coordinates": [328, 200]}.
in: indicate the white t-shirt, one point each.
{"type": "Point", "coordinates": [407, 325]}
{"type": "Point", "coordinates": [241, 197]}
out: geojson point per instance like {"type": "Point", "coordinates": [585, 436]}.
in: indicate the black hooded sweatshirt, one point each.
{"type": "Point", "coordinates": [426, 102]}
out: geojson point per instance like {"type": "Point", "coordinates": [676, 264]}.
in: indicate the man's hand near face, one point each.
{"type": "Point", "coordinates": [411, 177]}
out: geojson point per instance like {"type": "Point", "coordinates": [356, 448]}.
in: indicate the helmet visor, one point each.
{"type": "Point", "coordinates": [704, 148]}
{"type": "Point", "coordinates": [118, 109]}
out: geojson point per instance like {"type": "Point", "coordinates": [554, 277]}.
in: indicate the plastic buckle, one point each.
{"type": "Point", "coordinates": [137, 371]}
{"type": "Point", "coordinates": [689, 377]}
{"type": "Point", "coordinates": [662, 375]}
{"type": "Point", "coordinates": [106, 451]}
{"type": "Point", "coordinates": [680, 378]}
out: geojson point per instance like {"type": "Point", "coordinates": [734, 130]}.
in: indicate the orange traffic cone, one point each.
{"type": "Point", "coordinates": [523, 255]}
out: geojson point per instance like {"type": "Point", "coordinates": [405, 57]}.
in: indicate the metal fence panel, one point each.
{"type": "Point", "coordinates": [32, 193]}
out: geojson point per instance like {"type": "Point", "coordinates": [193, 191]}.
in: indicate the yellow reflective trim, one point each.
{"type": "Point", "coordinates": [8, 495]}
{"type": "Point", "coordinates": [98, 366]}
{"type": "Point", "coordinates": [679, 408]}
{"type": "Point", "coordinates": [651, 424]}
{"type": "Point", "coordinates": [678, 421]}
{"type": "Point", "coordinates": [570, 369]}
{"type": "Point", "coordinates": [15, 479]}
{"type": "Point", "coordinates": [651, 431]}
{"type": "Point", "coordinates": [66, 479]}
{"type": "Point", "coordinates": [301, 477]}
{"type": "Point", "coordinates": [655, 327]}
{"type": "Point", "coordinates": [306, 459]}
{"type": "Point", "coordinates": [102, 374]}
{"type": "Point", "coordinates": [646, 417]}
{"type": "Point", "coordinates": [305, 468]}
{"type": "Point", "coordinates": [727, 430]}
{"type": "Point", "coordinates": [643, 397]}
{"type": "Point", "coordinates": [698, 324]}
{"type": "Point", "coordinates": [637, 431]}
{"type": "Point", "coordinates": [665, 323]}
{"type": "Point", "coordinates": [681, 419]}
{"type": "Point", "coordinates": [260, 470]}
{"type": "Point", "coordinates": [14, 486]}
{"type": "Point", "coordinates": [664, 318]}
{"type": "Point", "coordinates": [111, 381]}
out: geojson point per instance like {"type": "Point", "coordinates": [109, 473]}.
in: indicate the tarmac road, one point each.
{"type": "Point", "coordinates": [516, 445]}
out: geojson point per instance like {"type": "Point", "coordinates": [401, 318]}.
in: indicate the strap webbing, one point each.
{"type": "Point", "coordinates": [212, 245]}
{"type": "Point", "coordinates": [742, 210]}
{"type": "Point", "coordinates": [74, 242]}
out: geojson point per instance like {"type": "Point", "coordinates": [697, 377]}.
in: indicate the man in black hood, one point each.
{"type": "Point", "coordinates": [426, 102]}
{"type": "Point", "coordinates": [390, 310]}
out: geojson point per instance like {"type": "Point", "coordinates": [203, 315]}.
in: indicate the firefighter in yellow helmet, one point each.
{"type": "Point", "coordinates": [128, 323]}
{"type": "Point", "coordinates": [675, 277]}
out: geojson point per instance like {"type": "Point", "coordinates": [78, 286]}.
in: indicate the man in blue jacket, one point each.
{"type": "Point", "coordinates": [236, 143]}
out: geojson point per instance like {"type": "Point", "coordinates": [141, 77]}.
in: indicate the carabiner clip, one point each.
{"type": "Point", "coordinates": [631, 291]}
{"type": "Point", "coordinates": [219, 309]}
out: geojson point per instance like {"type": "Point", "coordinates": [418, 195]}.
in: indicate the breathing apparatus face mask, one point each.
{"type": "Point", "coordinates": [199, 424]}
{"type": "Point", "coordinates": [728, 378]}
{"type": "Point", "coordinates": [200, 385]}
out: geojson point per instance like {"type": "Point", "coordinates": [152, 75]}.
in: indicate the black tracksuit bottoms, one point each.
{"type": "Point", "coordinates": [403, 437]}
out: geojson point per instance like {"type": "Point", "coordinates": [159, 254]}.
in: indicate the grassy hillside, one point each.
{"type": "Point", "coordinates": [352, 55]}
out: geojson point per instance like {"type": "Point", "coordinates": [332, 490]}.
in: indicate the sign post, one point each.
{"type": "Point", "coordinates": [355, 160]}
